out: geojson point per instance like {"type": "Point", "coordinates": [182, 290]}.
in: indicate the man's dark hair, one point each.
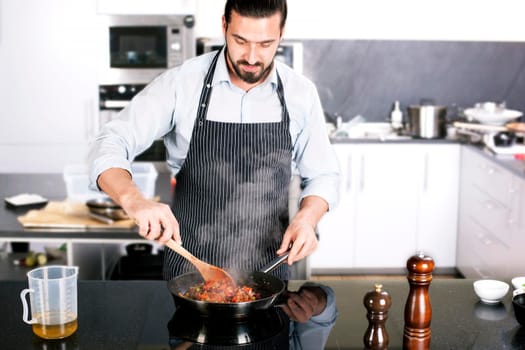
{"type": "Point", "coordinates": [256, 8]}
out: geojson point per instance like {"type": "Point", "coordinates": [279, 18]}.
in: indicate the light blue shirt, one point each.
{"type": "Point", "coordinates": [313, 334]}
{"type": "Point", "coordinates": [167, 109]}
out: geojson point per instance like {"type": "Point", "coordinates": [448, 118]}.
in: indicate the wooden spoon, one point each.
{"type": "Point", "coordinates": [208, 272]}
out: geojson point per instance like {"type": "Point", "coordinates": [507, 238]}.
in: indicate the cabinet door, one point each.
{"type": "Point", "coordinates": [336, 228]}
{"type": "Point", "coordinates": [438, 204]}
{"type": "Point", "coordinates": [516, 224]}
{"type": "Point", "coordinates": [489, 231]}
{"type": "Point", "coordinates": [48, 83]}
{"type": "Point", "coordinates": [386, 209]}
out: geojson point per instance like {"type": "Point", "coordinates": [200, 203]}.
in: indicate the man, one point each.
{"type": "Point", "coordinates": [235, 124]}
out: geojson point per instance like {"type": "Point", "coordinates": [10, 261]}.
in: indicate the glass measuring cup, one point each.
{"type": "Point", "coordinates": [53, 296]}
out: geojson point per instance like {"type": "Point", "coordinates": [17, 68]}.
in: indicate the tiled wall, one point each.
{"type": "Point", "coordinates": [365, 77]}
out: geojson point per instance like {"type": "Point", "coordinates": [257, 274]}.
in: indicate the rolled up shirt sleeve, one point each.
{"type": "Point", "coordinates": [314, 157]}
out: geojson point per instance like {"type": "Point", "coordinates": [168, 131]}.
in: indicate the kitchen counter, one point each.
{"type": "Point", "coordinates": [95, 249]}
{"type": "Point", "coordinates": [53, 188]}
{"type": "Point", "coordinates": [135, 314]}
{"type": "Point", "coordinates": [515, 166]}
{"type": "Point", "coordinates": [507, 161]}
{"type": "Point", "coordinates": [336, 140]}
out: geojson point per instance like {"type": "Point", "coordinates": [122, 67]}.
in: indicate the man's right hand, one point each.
{"type": "Point", "coordinates": [155, 220]}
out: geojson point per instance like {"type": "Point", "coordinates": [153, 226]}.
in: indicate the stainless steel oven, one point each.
{"type": "Point", "coordinates": [112, 99]}
{"type": "Point", "coordinates": [137, 48]}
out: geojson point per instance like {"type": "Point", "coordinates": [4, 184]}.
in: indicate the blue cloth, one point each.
{"type": "Point", "coordinates": [167, 109]}
{"type": "Point", "coordinates": [313, 334]}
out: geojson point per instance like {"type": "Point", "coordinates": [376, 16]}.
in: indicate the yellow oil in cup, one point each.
{"type": "Point", "coordinates": [53, 299]}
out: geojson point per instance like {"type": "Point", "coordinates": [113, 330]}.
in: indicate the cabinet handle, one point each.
{"type": "Point", "coordinates": [425, 173]}
{"type": "Point", "coordinates": [349, 174]}
{"type": "Point", "coordinates": [362, 174]}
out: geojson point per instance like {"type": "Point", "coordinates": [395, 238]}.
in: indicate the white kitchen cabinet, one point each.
{"type": "Point", "coordinates": [395, 199]}
{"type": "Point", "coordinates": [336, 228]}
{"type": "Point", "coordinates": [389, 177]}
{"type": "Point", "coordinates": [437, 217]}
{"type": "Point", "coordinates": [490, 220]}
{"type": "Point", "coordinates": [48, 53]}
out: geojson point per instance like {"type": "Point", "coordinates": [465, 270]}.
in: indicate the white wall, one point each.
{"type": "Point", "coordinates": [482, 20]}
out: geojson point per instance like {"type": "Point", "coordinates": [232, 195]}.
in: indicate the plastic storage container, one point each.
{"type": "Point", "coordinates": [77, 181]}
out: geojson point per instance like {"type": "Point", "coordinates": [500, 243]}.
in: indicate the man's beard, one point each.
{"type": "Point", "coordinates": [250, 77]}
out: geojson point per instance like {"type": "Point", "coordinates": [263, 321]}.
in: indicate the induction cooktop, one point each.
{"type": "Point", "coordinates": [266, 329]}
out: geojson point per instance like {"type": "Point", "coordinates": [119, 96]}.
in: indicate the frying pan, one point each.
{"type": "Point", "coordinates": [267, 286]}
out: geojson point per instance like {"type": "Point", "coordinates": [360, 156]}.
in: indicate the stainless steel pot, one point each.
{"type": "Point", "coordinates": [427, 121]}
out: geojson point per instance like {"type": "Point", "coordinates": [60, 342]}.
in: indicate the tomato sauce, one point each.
{"type": "Point", "coordinates": [221, 292]}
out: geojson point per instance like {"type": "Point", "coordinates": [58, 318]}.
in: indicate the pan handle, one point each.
{"type": "Point", "coordinates": [275, 263]}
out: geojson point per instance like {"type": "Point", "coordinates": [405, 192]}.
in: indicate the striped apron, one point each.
{"type": "Point", "coordinates": [231, 197]}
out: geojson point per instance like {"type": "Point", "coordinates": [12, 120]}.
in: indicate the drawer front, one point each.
{"type": "Point", "coordinates": [490, 177]}
{"type": "Point", "coordinates": [487, 255]}
{"type": "Point", "coordinates": [492, 215]}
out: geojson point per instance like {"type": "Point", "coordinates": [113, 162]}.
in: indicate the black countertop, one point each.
{"type": "Point", "coordinates": [135, 314]}
{"type": "Point", "coordinates": [53, 188]}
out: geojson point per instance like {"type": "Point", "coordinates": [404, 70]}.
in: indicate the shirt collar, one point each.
{"type": "Point", "coordinates": [221, 72]}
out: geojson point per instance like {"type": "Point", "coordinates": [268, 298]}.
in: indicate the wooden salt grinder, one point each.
{"type": "Point", "coordinates": [377, 303]}
{"type": "Point", "coordinates": [418, 311]}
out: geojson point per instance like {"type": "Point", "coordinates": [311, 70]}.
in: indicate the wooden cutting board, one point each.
{"type": "Point", "coordinates": [67, 215]}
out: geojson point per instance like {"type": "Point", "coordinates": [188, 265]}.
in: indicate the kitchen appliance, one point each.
{"type": "Point", "coordinates": [258, 323]}
{"type": "Point", "coordinates": [267, 329]}
{"type": "Point", "coordinates": [137, 48]}
{"type": "Point", "coordinates": [268, 287]}
{"type": "Point", "coordinates": [426, 121]}
{"type": "Point", "coordinates": [112, 99]}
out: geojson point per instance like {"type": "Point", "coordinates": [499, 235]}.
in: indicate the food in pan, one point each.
{"type": "Point", "coordinates": [221, 292]}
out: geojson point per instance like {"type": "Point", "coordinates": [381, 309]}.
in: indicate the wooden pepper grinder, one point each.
{"type": "Point", "coordinates": [418, 311]}
{"type": "Point", "coordinates": [377, 303]}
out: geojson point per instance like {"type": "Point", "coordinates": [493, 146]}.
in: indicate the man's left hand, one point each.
{"type": "Point", "coordinates": [300, 234]}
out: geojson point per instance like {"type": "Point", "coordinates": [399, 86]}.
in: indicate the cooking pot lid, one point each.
{"type": "Point", "coordinates": [262, 328]}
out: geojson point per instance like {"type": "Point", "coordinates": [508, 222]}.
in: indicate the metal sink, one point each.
{"type": "Point", "coordinates": [370, 131]}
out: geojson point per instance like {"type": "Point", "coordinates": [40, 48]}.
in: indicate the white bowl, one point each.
{"type": "Point", "coordinates": [518, 282]}
{"type": "Point", "coordinates": [491, 291]}
{"type": "Point", "coordinates": [492, 118]}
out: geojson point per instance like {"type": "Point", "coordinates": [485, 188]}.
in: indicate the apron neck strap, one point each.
{"type": "Point", "coordinates": [207, 88]}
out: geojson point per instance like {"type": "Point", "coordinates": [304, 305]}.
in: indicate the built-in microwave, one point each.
{"type": "Point", "coordinates": [137, 48]}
